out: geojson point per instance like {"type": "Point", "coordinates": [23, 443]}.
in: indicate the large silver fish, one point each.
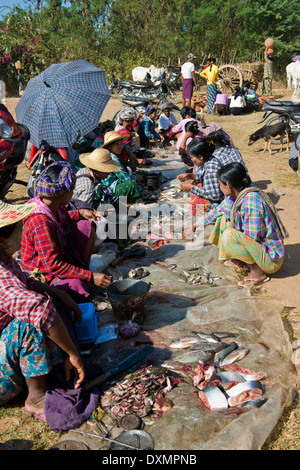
{"type": "Point", "coordinates": [234, 356]}
{"type": "Point", "coordinates": [195, 356]}
{"type": "Point", "coordinates": [220, 356]}
{"type": "Point", "coordinates": [210, 338]}
{"type": "Point", "coordinates": [184, 342]}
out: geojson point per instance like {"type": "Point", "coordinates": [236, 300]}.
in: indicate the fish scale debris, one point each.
{"type": "Point", "coordinates": [140, 393]}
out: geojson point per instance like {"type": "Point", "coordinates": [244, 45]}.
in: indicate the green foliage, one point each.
{"type": "Point", "coordinates": [118, 35]}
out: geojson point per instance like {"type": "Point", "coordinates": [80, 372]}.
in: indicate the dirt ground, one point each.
{"type": "Point", "coordinates": [273, 174]}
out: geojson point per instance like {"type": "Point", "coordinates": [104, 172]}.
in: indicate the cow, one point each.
{"type": "Point", "coordinates": [139, 73]}
{"type": "Point", "coordinates": [293, 76]}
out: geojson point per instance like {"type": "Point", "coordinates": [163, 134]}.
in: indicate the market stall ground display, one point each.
{"type": "Point", "coordinates": [182, 392]}
{"type": "Point", "coordinates": [262, 318]}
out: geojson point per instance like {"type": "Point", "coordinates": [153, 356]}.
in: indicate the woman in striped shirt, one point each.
{"type": "Point", "coordinates": [247, 228]}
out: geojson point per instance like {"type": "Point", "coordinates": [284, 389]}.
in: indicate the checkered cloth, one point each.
{"type": "Point", "coordinates": [207, 176]}
{"type": "Point", "coordinates": [65, 182]}
{"type": "Point", "coordinates": [63, 101]}
{"type": "Point", "coordinates": [19, 301]}
{"type": "Point", "coordinates": [253, 218]}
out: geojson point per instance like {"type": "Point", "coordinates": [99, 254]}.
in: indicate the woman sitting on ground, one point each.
{"type": "Point", "coordinates": [191, 131]}
{"type": "Point", "coordinates": [166, 121]}
{"type": "Point", "coordinates": [203, 184]}
{"type": "Point", "coordinates": [33, 334]}
{"type": "Point", "coordinates": [225, 152]}
{"type": "Point", "coordinates": [98, 165]}
{"type": "Point", "coordinates": [127, 121]}
{"type": "Point", "coordinates": [58, 243]}
{"type": "Point", "coordinates": [188, 115]}
{"type": "Point", "coordinates": [147, 130]}
{"type": "Point", "coordinates": [247, 229]}
{"type": "Point", "coordinates": [237, 102]}
{"type": "Point", "coordinates": [121, 182]}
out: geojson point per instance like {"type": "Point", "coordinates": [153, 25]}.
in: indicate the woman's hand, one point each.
{"type": "Point", "coordinates": [186, 177]}
{"type": "Point", "coordinates": [89, 214]}
{"type": "Point", "coordinates": [101, 280]}
{"type": "Point", "coordinates": [189, 233]}
{"type": "Point", "coordinates": [74, 362]}
{"type": "Point", "coordinates": [187, 185]}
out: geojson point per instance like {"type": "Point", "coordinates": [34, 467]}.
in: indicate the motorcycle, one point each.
{"type": "Point", "coordinates": [13, 143]}
{"type": "Point", "coordinates": [161, 92]}
{"type": "Point", "coordinates": [288, 111]}
{"type": "Point", "coordinates": [175, 82]}
{"type": "Point", "coordinates": [40, 158]}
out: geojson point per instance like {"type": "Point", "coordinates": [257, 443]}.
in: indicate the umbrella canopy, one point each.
{"type": "Point", "coordinates": [63, 101]}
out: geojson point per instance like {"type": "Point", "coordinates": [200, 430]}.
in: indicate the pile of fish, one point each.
{"type": "Point", "coordinates": [230, 386]}
{"type": "Point", "coordinates": [138, 273]}
{"type": "Point", "coordinates": [221, 383]}
{"type": "Point", "coordinates": [196, 276]}
{"type": "Point", "coordinates": [173, 193]}
{"type": "Point", "coordinates": [141, 393]}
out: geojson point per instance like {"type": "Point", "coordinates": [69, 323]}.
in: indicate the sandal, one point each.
{"type": "Point", "coordinates": [255, 282]}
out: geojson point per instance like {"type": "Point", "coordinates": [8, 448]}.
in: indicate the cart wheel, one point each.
{"type": "Point", "coordinates": [230, 76]}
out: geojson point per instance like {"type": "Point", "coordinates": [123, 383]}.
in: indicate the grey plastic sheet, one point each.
{"type": "Point", "coordinates": [174, 309]}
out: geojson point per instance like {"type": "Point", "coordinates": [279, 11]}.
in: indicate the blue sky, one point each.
{"type": "Point", "coordinates": [11, 4]}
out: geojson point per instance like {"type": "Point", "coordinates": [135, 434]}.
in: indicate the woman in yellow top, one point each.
{"type": "Point", "coordinates": [211, 73]}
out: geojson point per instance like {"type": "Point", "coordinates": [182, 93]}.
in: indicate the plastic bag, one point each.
{"type": "Point", "coordinates": [99, 262]}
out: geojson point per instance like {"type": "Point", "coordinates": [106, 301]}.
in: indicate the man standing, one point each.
{"type": "Point", "coordinates": [188, 80]}
{"type": "Point", "coordinates": [266, 86]}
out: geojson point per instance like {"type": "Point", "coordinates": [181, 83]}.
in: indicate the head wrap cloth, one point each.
{"type": "Point", "coordinates": [65, 181]}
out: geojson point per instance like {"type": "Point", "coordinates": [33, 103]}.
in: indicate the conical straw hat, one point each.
{"type": "Point", "coordinates": [12, 213]}
{"type": "Point", "coordinates": [112, 136]}
{"type": "Point", "coordinates": [100, 160]}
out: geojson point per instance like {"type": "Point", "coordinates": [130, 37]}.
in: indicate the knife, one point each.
{"type": "Point", "coordinates": [123, 365]}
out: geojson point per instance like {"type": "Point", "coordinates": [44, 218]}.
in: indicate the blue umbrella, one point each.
{"type": "Point", "coordinates": [62, 102]}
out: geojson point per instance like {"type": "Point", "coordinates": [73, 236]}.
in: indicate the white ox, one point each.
{"type": "Point", "coordinates": [293, 76]}
{"type": "Point", "coordinates": [139, 73]}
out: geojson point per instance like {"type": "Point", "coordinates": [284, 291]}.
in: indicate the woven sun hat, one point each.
{"type": "Point", "coordinates": [12, 213]}
{"type": "Point", "coordinates": [112, 136]}
{"type": "Point", "coordinates": [100, 160]}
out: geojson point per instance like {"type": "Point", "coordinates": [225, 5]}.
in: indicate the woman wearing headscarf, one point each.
{"type": "Point", "coordinates": [211, 74]}
{"type": "Point", "coordinates": [127, 120]}
{"type": "Point", "coordinates": [58, 243]}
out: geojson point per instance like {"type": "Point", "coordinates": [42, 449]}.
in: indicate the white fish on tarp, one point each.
{"type": "Point", "coordinates": [247, 395]}
{"type": "Point", "coordinates": [242, 387]}
{"type": "Point", "coordinates": [213, 398]}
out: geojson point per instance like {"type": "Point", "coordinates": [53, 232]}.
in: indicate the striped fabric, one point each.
{"type": "Point", "coordinates": [65, 100]}
{"type": "Point", "coordinates": [211, 96]}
